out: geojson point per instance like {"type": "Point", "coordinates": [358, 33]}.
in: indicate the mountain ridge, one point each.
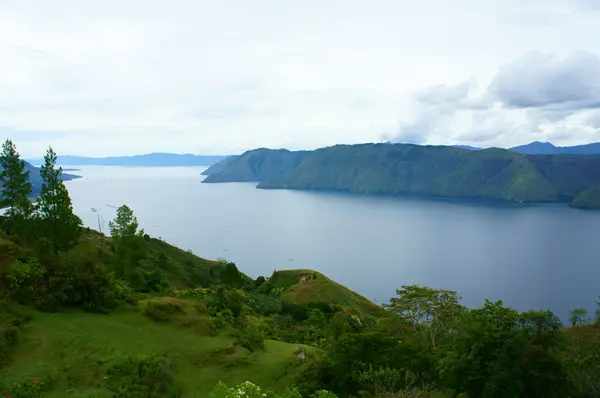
{"type": "Point", "coordinates": [155, 159]}
{"type": "Point", "coordinates": [408, 169]}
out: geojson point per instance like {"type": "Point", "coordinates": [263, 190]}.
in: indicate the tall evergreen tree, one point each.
{"type": "Point", "coordinates": [15, 187]}
{"type": "Point", "coordinates": [61, 225]}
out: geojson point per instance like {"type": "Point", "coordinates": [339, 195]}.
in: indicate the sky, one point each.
{"type": "Point", "coordinates": [124, 77]}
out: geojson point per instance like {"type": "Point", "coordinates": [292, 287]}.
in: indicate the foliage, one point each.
{"type": "Point", "coordinates": [251, 338]}
{"type": "Point", "coordinates": [126, 224]}
{"type": "Point", "coordinates": [497, 352]}
{"type": "Point", "coordinates": [142, 376]}
{"type": "Point", "coordinates": [11, 318]}
{"type": "Point", "coordinates": [231, 276]}
{"type": "Point", "coordinates": [426, 310]}
{"type": "Point", "coordinates": [250, 390]}
{"type": "Point", "coordinates": [16, 188]}
{"type": "Point", "coordinates": [61, 227]}
{"type": "Point", "coordinates": [162, 310]}
{"type": "Point", "coordinates": [579, 316]}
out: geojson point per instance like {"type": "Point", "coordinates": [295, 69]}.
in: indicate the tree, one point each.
{"type": "Point", "coordinates": [61, 226]}
{"type": "Point", "coordinates": [126, 224]}
{"type": "Point", "coordinates": [16, 187]}
{"type": "Point", "coordinates": [129, 242]}
{"type": "Point", "coordinates": [579, 316]}
{"type": "Point", "coordinates": [425, 309]}
{"type": "Point", "coordinates": [497, 352]}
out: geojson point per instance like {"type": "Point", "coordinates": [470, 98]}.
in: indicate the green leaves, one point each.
{"type": "Point", "coordinates": [126, 224]}
{"type": "Point", "coordinates": [16, 187]}
{"type": "Point", "coordinates": [61, 226]}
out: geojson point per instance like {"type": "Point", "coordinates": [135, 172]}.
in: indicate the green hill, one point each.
{"type": "Point", "coordinates": [404, 169]}
{"type": "Point", "coordinates": [257, 165]}
{"type": "Point", "coordinates": [307, 286]}
{"type": "Point", "coordinates": [588, 199]}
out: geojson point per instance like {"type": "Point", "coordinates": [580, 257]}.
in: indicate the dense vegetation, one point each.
{"type": "Point", "coordinates": [441, 171]}
{"type": "Point", "coordinates": [85, 315]}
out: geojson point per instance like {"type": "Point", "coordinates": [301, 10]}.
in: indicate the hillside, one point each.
{"type": "Point", "coordinates": [258, 165]}
{"type": "Point", "coordinates": [219, 166]}
{"type": "Point", "coordinates": [588, 199]}
{"type": "Point", "coordinates": [307, 286]}
{"type": "Point", "coordinates": [73, 350]}
{"type": "Point", "coordinates": [147, 160]}
{"type": "Point", "coordinates": [441, 171]}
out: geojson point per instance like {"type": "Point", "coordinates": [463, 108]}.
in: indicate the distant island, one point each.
{"type": "Point", "coordinates": [147, 160]}
{"type": "Point", "coordinates": [406, 169]}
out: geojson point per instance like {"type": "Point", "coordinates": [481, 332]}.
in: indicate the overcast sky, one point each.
{"type": "Point", "coordinates": [217, 77]}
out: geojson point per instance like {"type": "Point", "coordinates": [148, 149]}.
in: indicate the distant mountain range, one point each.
{"type": "Point", "coordinates": [148, 160]}
{"type": "Point", "coordinates": [406, 169]}
{"type": "Point", "coordinates": [547, 148]}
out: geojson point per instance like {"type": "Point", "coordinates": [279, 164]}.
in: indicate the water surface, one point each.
{"type": "Point", "coordinates": [542, 256]}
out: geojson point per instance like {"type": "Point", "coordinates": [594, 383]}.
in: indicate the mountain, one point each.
{"type": "Point", "coordinates": [440, 171]}
{"type": "Point", "coordinates": [148, 160]}
{"type": "Point", "coordinates": [547, 148]}
{"type": "Point", "coordinates": [258, 165]}
{"type": "Point", "coordinates": [36, 179]}
{"type": "Point", "coordinates": [219, 166]}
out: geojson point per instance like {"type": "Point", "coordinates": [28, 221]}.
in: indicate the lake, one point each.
{"type": "Point", "coordinates": [529, 256]}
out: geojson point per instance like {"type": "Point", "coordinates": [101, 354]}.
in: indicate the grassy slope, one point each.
{"type": "Point", "coordinates": [70, 347]}
{"type": "Point", "coordinates": [321, 289]}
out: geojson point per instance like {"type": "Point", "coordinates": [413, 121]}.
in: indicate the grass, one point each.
{"type": "Point", "coordinates": [72, 348]}
{"type": "Point", "coordinates": [305, 286]}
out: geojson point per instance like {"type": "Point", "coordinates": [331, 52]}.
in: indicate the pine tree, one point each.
{"type": "Point", "coordinates": [61, 225]}
{"type": "Point", "coordinates": [16, 187]}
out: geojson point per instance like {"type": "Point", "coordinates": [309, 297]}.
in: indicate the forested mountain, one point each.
{"type": "Point", "coordinates": [258, 165]}
{"type": "Point", "coordinates": [440, 171]}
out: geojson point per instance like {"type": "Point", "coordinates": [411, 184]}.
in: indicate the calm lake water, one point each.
{"type": "Point", "coordinates": [531, 257]}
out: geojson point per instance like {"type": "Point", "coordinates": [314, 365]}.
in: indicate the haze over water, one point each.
{"type": "Point", "coordinates": [531, 257]}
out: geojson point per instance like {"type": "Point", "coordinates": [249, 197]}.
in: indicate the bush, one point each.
{"type": "Point", "coordinates": [249, 390]}
{"type": "Point", "coordinates": [264, 304]}
{"type": "Point", "coordinates": [11, 318]}
{"type": "Point", "coordinates": [162, 310]}
{"type": "Point", "coordinates": [251, 338]}
{"type": "Point", "coordinates": [141, 376]}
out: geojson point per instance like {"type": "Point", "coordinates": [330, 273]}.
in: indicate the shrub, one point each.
{"type": "Point", "coordinates": [251, 338]}
{"type": "Point", "coordinates": [162, 310]}
{"type": "Point", "coordinates": [11, 317]}
{"type": "Point", "coordinates": [141, 376]}
{"type": "Point", "coordinates": [249, 390]}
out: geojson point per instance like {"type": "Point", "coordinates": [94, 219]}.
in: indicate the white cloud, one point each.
{"type": "Point", "coordinates": [132, 76]}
